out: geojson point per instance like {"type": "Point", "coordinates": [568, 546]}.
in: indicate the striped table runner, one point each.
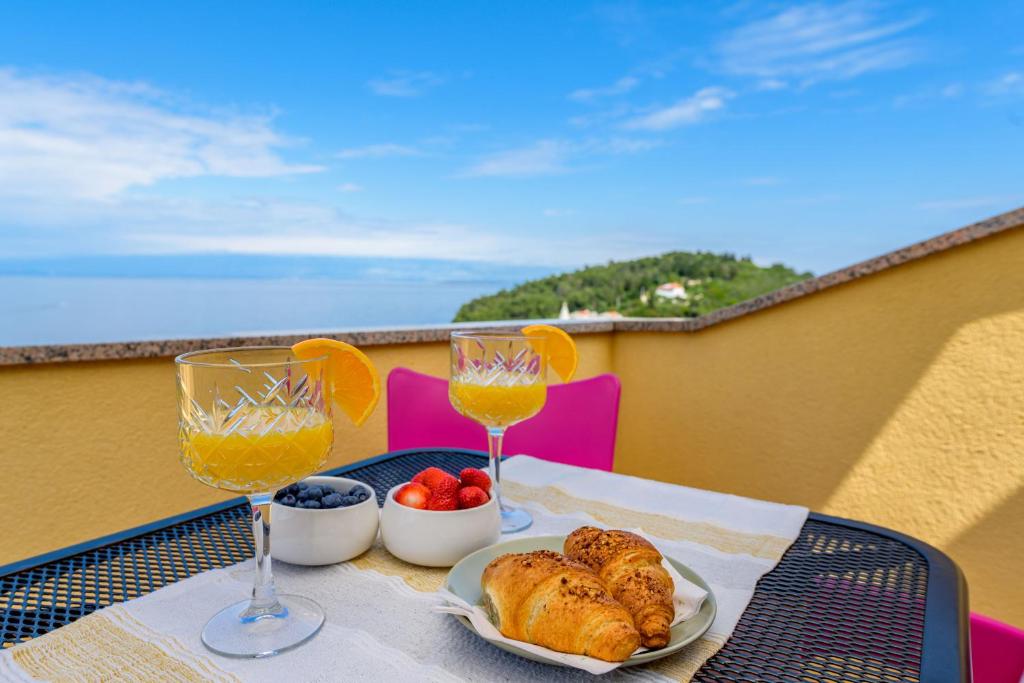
{"type": "Point", "coordinates": [379, 623]}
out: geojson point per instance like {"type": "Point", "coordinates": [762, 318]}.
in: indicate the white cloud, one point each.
{"type": "Point", "coordinates": [85, 137]}
{"type": "Point", "coordinates": [967, 203]}
{"type": "Point", "coordinates": [386, 149]}
{"type": "Point", "coordinates": [621, 145]}
{"type": "Point", "coordinates": [952, 90]}
{"type": "Point", "coordinates": [350, 187]}
{"type": "Point", "coordinates": [619, 87]}
{"type": "Point", "coordinates": [600, 117]}
{"type": "Point", "coordinates": [151, 225]}
{"type": "Point", "coordinates": [147, 224]}
{"type": "Point", "coordinates": [544, 157]}
{"type": "Point", "coordinates": [769, 84]}
{"type": "Point", "coordinates": [1010, 83]}
{"type": "Point", "coordinates": [817, 42]}
{"type": "Point", "coordinates": [762, 181]}
{"type": "Point", "coordinates": [684, 112]}
{"type": "Point", "coordinates": [946, 92]}
{"type": "Point", "coordinates": [814, 200]}
{"type": "Point", "coordinates": [405, 83]}
{"type": "Point", "coordinates": [553, 156]}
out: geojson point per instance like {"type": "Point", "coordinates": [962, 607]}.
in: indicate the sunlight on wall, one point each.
{"type": "Point", "coordinates": [951, 452]}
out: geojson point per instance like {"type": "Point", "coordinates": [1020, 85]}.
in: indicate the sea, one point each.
{"type": "Point", "coordinates": [51, 307]}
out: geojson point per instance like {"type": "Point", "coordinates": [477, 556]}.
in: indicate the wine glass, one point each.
{"type": "Point", "coordinates": [253, 420]}
{"type": "Point", "coordinates": [499, 380]}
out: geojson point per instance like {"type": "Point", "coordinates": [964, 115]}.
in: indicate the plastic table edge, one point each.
{"type": "Point", "coordinates": [945, 648]}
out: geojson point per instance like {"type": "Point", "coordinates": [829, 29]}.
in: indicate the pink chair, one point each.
{"type": "Point", "coordinates": [576, 426]}
{"type": "Point", "coordinates": [997, 651]}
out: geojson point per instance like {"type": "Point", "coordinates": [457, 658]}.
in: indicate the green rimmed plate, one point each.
{"type": "Point", "coordinates": [464, 581]}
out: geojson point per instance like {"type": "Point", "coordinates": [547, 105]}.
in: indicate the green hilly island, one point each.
{"type": "Point", "coordinates": [676, 284]}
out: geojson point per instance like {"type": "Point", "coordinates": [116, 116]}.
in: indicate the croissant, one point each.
{"type": "Point", "coordinates": [544, 598]}
{"type": "Point", "coordinates": [631, 568]}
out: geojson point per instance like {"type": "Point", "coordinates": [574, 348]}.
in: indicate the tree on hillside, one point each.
{"type": "Point", "coordinates": [722, 280]}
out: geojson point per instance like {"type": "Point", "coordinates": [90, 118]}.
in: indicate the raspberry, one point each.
{"type": "Point", "coordinates": [431, 477]}
{"type": "Point", "coordinates": [444, 496]}
{"type": "Point", "coordinates": [471, 497]}
{"type": "Point", "coordinates": [474, 477]}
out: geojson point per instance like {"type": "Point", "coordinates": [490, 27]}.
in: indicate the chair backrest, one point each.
{"type": "Point", "coordinates": [997, 651]}
{"type": "Point", "coordinates": [576, 426]}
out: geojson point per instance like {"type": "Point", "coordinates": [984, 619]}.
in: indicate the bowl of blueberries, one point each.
{"type": "Point", "coordinates": [323, 520]}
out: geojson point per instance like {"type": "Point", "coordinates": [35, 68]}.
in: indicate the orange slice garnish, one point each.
{"type": "Point", "coordinates": [355, 384]}
{"type": "Point", "coordinates": [561, 349]}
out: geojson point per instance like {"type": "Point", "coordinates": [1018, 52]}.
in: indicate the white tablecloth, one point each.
{"type": "Point", "coordinates": [379, 622]}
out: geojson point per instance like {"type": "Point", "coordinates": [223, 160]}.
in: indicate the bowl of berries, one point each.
{"type": "Point", "coordinates": [437, 518]}
{"type": "Point", "coordinates": [323, 520]}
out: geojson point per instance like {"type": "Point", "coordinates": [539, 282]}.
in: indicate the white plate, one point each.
{"type": "Point", "coordinates": [464, 581]}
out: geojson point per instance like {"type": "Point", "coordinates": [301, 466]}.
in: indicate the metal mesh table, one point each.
{"type": "Point", "coordinates": [849, 602]}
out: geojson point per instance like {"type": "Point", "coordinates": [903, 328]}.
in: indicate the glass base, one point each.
{"type": "Point", "coordinates": [231, 635]}
{"type": "Point", "coordinates": [515, 519]}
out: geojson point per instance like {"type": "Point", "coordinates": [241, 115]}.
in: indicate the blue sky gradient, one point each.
{"type": "Point", "coordinates": [551, 134]}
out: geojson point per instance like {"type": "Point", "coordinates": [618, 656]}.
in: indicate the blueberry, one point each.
{"type": "Point", "coordinates": [348, 500]}
{"type": "Point", "coordinates": [363, 495]}
{"type": "Point", "coordinates": [327, 489]}
{"type": "Point", "coordinates": [302, 485]}
{"type": "Point", "coordinates": [355, 490]}
{"type": "Point", "coordinates": [288, 500]}
{"type": "Point", "coordinates": [280, 494]}
{"type": "Point", "coordinates": [303, 496]}
{"type": "Point", "coordinates": [293, 489]}
{"type": "Point", "coordinates": [313, 504]}
{"type": "Point", "coordinates": [315, 492]}
{"type": "Point", "coordinates": [331, 500]}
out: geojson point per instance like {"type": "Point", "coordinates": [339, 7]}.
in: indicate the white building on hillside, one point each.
{"type": "Point", "coordinates": [671, 290]}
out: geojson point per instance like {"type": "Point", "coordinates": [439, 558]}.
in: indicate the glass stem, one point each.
{"type": "Point", "coordinates": [494, 437]}
{"type": "Point", "coordinates": [264, 601]}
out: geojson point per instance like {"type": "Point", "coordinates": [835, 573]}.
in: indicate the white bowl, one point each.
{"type": "Point", "coordinates": [433, 538]}
{"type": "Point", "coordinates": [325, 536]}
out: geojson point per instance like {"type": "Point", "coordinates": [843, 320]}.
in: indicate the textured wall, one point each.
{"type": "Point", "coordinates": [90, 448]}
{"type": "Point", "coordinates": [897, 399]}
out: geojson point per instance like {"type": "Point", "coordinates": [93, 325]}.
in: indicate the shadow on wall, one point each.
{"type": "Point", "coordinates": [895, 399]}
{"type": "Point", "coordinates": [785, 403]}
{"type": "Point", "coordinates": [994, 545]}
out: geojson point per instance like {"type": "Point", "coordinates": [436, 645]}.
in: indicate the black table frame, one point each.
{"type": "Point", "coordinates": [945, 654]}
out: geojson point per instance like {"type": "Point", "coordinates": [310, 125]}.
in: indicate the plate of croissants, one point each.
{"type": "Point", "coordinates": [604, 594]}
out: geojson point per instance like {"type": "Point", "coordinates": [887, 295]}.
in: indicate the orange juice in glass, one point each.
{"type": "Point", "coordinates": [252, 420]}
{"type": "Point", "coordinates": [497, 405]}
{"type": "Point", "coordinates": [499, 380]}
{"type": "Point", "coordinates": [262, 449]}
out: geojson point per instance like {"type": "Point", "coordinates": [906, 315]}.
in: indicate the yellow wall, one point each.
{"type": "Point", "coordinates": [897, 399]}
{"type": "Point", "coordinates": [88, 449]}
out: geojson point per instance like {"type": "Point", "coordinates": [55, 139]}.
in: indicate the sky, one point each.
{"type": "Point", "coordinates": [536, 133]}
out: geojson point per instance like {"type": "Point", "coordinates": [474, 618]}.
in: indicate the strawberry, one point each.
{"type": "Point", "coordinates": [413, 495]}
{"type": "Point", "coordinates": [444, 496]}
{"type": "Point", "coordinates": [471, 497]}
{"type": "Point", "coordinates": [474, 477]}
{"type": "Point", "coordinates": [431, 477]}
